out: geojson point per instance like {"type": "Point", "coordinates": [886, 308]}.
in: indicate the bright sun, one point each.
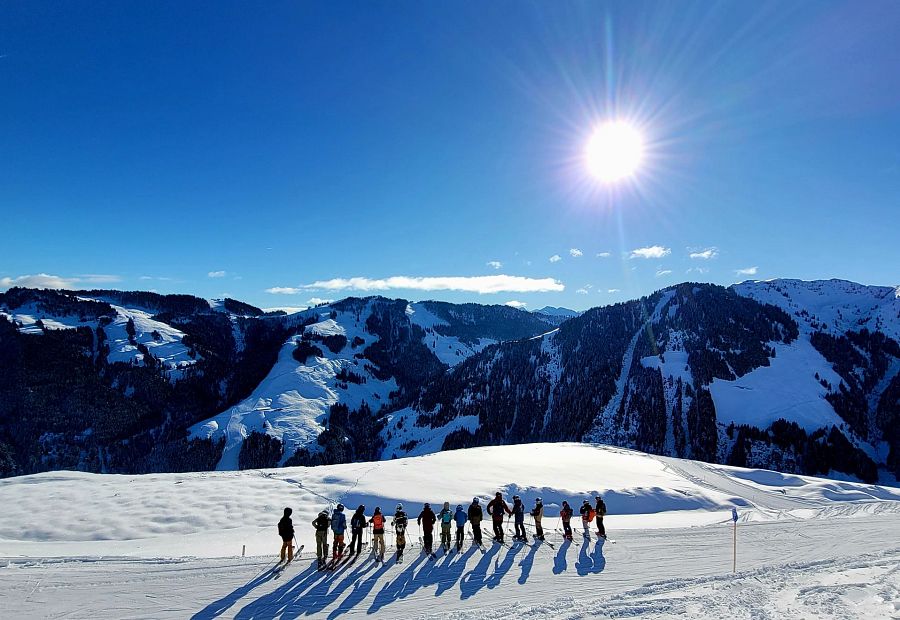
{"type": "Point", "coordinates": [614, 151]}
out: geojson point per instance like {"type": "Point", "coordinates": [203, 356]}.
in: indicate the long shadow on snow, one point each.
{"type": "Point", "coordinates": [217, 608]}
{"type": "Point", "coordinates": [527, 562]}
{"type": "Point", "coordinates": [593, 562]}
{"type": "Point", "coordinates": [399, 587]}
{"type": "Point", "coordinates": [278, 601]}
{"type": "Point", "coordinates": [560, 565]}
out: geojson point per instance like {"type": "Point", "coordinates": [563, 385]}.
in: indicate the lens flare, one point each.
{"type": "Point", "coordinates": [614, 152]}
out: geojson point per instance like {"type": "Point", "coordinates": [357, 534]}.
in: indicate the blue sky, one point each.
{"type": "Point", "coordinates": [283, 152]}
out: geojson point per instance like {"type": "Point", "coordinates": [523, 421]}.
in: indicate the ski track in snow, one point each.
{"type": "Point", "coordinates": [807, 547]}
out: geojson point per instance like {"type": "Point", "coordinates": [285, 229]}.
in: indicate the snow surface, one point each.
{"type": "Point", "coordinates": [169, 545]}
{"type": "Point", "coordinates": [787, 388]}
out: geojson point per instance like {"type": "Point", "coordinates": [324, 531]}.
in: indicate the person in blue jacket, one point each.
{"type": "Point", "coordinates": [338, 526]}
{"type": "Point", "coordinates": [460, 517]}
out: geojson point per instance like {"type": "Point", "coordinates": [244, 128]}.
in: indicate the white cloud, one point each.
{"type": "Point", "coordinates": [217, 274]}
{"type": "Point", "coordinates": [603, 254]}
{"type": "Point", "coordinates": [494, 264]}
{"type": "Point", "coordinates": [470, 284]}
{"type": "Point", "coordinates": [700, 270]}
{"type": "Point", "coordinates": [582, 291]}
{"type": "Point", "coordinates": [575, 253]}
{"type": "Point", "coordinates": [613, 290]}
{"type": "Point", "coordinates": [663, 272]}
{"type": "Point", "coordinates": [46, 280]}
{"type": "Point", "coordinates": [747, 271]}
{"type": "Point", "coordinates": [516, 304]}
{"type": "Point", "coordinates": [40, 280]}
{"type": "Point", "coordinates": [315, 301]}
{"type": "Point", "coordinates": [703, 254]}
{"type": "Point", "coordinates": [555, 258]}
{"type": "Point", "coordinates": [653, 251]}
{"type": "Point", "coordinates": [284, 290]}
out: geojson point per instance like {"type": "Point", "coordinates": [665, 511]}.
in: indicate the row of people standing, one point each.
{"type": "Point", "coordinates": [497, 509]}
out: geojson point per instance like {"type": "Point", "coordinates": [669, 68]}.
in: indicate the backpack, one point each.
{"type": "Point", "coordinates": [446, 517]}
{"type": "Point", "coordinates": [592, 514]}
{"type": "Point", "coordinates": [378, 522]}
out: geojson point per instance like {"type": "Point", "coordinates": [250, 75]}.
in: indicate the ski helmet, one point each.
{"type": "Point", "coordinates": [427, 505]}
{"type": "Point", "coordinates": [475, 500]}
{"type": "Point", "coordinates": [399, 506]}
{"type": "Point", "coordinates": [287, 512]}
{"type": "Point", "coordinates": [515, 497]}
{"type": "Point", "coordinates": [459, 506]}
{"type": "Point", "coordinates": [340, 507]}
{"type": "Point", "coordinates": [538, 501]}
{"type": "Point", "coordinates": [586, 502]}
{"type": "Point", "coordinates": [361, 508]}
{"type": "Point", "coordinates": [499, 494]}
{"type": "Point", "coordinates": [324, 513]}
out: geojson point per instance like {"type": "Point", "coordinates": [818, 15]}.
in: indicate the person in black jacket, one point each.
{"type": "Point", "coordinates": [600, 508]}
{"type": "Point", "coordinates": [475, 517]}
{"type": "Point", "coordinates": [286, 531]}
{"type": "Point", "coordinates": [426, 522]}
{"type": "Point", "coordinates": [357, 525]}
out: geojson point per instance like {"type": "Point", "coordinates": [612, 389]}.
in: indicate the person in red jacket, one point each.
{"type": "Point", "coordinates": [496, 508]}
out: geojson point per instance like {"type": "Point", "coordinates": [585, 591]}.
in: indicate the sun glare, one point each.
{"type": "Point", "coordinates": [614, 152]}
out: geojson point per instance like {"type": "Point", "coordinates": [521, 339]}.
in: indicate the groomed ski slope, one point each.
{"type": "Point", "coordinates": [168, 545]}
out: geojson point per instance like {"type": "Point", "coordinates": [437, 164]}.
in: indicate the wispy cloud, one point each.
{"type": "Point", "coordinates": [470, 284]}
{"type": "Point", "coordinates": [158, 278]}
{"type": "Point", "coordinates": [513, 303]}
{"type": "Point", "coordinates": [575, 252]}
{"type": "Point", "coordinates": [663, 272]}
{"type": "Point", "coordinates": [46, 280]}
{"type": "Point", "coordinates": [494, 264]}
{"type": "Point", "coordinates": [613, 290]}
{"type": "Point", "coordinates": [700, 270]}
{"type": "Point", "coordinates": [217, 274]}
{"type": "Point", "coordinates": [603, 254]}
{"type": "Point", "coordinates": [703, 253]}
{"type": "Point", "coordinates": [653, 251]}
{"type": "Point", "coordinates": [555, 258]}
{"type": "Point", "coordinates": [98, 278]}
{"type": "Point", "coordinates": [747, 271]}
{"type": "Point", "coordinates": [584, 290]}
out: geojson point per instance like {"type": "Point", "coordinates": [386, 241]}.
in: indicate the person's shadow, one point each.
{"type": "Point", "coordinates": [527, 563]}
{"type": "Point", "coordinates": [560, 565]}
{"type": "Point", "coordinates": [590, 562]}
{"type": "Point", "coordinates": [476, 578]}
{"type": "Point", "coordinates": [217, 608]}
{"type": "Point", "coordinates": [452, 570]}
{"type": "Point", "coordinates": [501, 569]}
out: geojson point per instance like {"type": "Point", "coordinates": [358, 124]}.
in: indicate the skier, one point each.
{"type": "Point", "coordinates": [357, 525]}
{"type": "Point", "coordinates": [496, 508]}
{"type": "Point", "coordinates": [426, 518]}
{"type": "Point", "coordinates": [321, 524]}
{"type": "Point", "coordinates": [587, 517]}
{"type": "Point", "coordinates": [600, 509]}
{"type": "Point", "coordinates": [446, 519]}
{"type": "Point", "coordinates": [286, 531]}
{"type": "Point", "coordinates": [518, 511]}
{"type": "Point", "coordinates": [475, 517]}
{"type": "Point", "coordinates": [377, 523]}
{"type": "Point", "coordinates": [565, 514]}
{"type": "Point", "coordinates": [399, 523]}
{"type": "Point", "coordinates": [460, 517]}
{"type": "Point", "coordinates": [538, 513]}
{"type": "Point", "coordinates": [338, 526]}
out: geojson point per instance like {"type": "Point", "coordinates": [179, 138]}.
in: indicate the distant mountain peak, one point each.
{"type": "Point", "coordinates": [556, 311]}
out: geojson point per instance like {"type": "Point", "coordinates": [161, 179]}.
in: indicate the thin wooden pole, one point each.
{"type": "Point", "coordinates": [734, 563]}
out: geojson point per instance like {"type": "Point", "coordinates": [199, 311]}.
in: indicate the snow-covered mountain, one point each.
{"type": "Point", "coordinates": [798, 376]}
{"type": "Point", "coordinates": [799, 382]}
{"type": "Point", "coordinates": [557, 311]}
